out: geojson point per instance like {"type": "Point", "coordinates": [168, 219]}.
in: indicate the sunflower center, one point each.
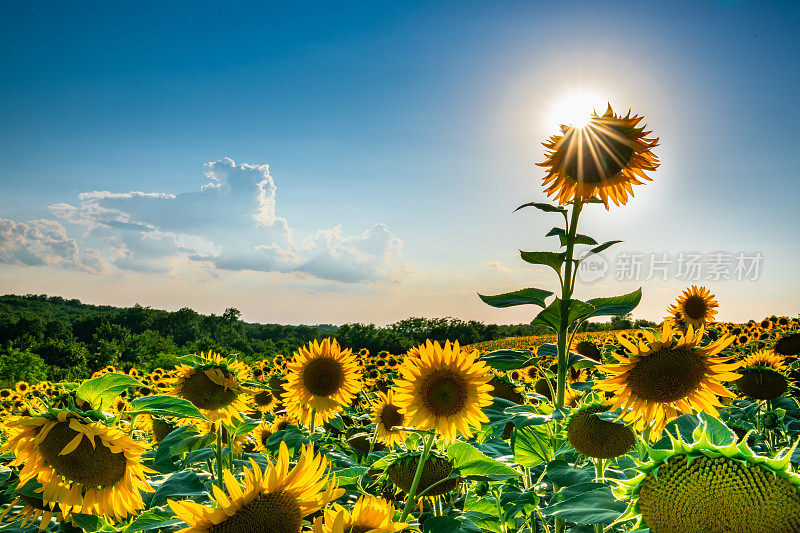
{"type": "Point", "coordinates": [205, 394]}
{"type": "Point", "coordinates": [718, 496]}
{"type": "Point", "coordinates": [275, 512]}
{"type": "Point", "coordinates": [695, 307]}
{"type": "Point", "coordinates": [88, 465]}
{"type": "Point", "coordinates": [598, 154]}
{"type": "Point", "coordinates": [443, 393]}
{"type": "Point", "coordinates": [263, 398]}
{"type": "Point", "coordinates": [390, 417]}
{"type": "Point", "coordinates": [666, 375]}
{"type": "Point", "coordinates": [323, 376]}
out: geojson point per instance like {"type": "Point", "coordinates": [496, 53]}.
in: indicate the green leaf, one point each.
{"type": "Point", "coordinates": [564, 238]}
{"type": "Point", "coordinates": [88, 523]}
{"type": "Point", "coordinates": [543, 207]}
{"type": "Point", "coordinates": [551, 315]}
{"type": "Point", "coordinates": [551, 350]}
{"type": "Point", "coordinates": [586, 503]}
{"type": "Point", "coordinates": [156, 518]}
{"type": "Point", "coordinates": [604, 246]}
{"type": "Point", "coordinates": [563, 475]}
{"type": "Point", "coordinates": [718, 433]}
{"type": "Point", "coordinates": [552, 259]}
{"type": "Point", "coordinates": [523, 416]}
{"type": "Point", "coordinates": [616, 305]}
{"type": "Point", "coordinates": [520, 297]}
{"type": "Point", "coordinates": [100, 391]}
{"type": "Point", "coordinates": [473, 464]}
{"type": "Point", "coordinates": [446, 524]}
{"type": "Point", "coordinates": [532, 446]}
{"type": "Point", "coordinates": [180, 485]}
{"type": "Point", "coordinates": [165, 406]}
{"type": "Point", "coordinates": [508, 359]}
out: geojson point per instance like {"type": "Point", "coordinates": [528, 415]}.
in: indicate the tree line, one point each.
{"type": "Point", "coordinates": [49, 337]}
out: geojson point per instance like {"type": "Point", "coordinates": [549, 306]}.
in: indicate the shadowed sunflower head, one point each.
{"type": "Point", "coordinates": [598, 438]}
{"type": "Point", "coordinates": [788, 345]}
{"type": "Point", "coordinates": [214, 385]}
{"type": "Point", "coordinates": [696, 307]}
{"type": "Point", "coordinates": [763, 376]}
{"type": "Point", "coordinates": [33, 508]}
{"type": "Point", "coordinates": [702, 487]}
{"type": "Point", "coordinates": [387, 415]}
{"type": "Point", "coordinates": [275, 500]}
{"type": "Point", "coordinates": [322, 378]}
{"type": "Point", "coordinates": [444, 389]}
{"type": "Point", "coordinates": [81, 464]}
{"type": "Point", "coordinates": [602, 159]}
{"type": "Point", "coordinates": [370, 514]}
{"type": "Point", "coordinates": [435, 478]}
{"type": "Point", "coordinates": [662, 378]}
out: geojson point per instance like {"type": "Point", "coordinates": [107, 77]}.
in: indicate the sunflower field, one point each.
{"type": "Point", "coordinates": [689, 427]}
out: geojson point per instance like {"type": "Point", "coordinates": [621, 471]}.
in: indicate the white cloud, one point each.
{"type": "Point", "coordinates": [44, 242]}
{"type": "Point", "coordinates": [232, 223]}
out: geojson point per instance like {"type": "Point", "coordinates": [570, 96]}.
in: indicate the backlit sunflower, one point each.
{"type": "Point", "coordinates": [213, 384]}
{"type": "Point", "coordinates": [662, 378]}
{"type": "Point", "coordinates": [82, 465]}
{"type": "Point", "coordinates": [274, 501]}
{"type": "Point", "coordinates": [444, 389]}
{"type": "Point", "coordinates": [370, 514]}
{"type": "Point", "coordinates": [763, 376]}
{"type": "Point", "coordinates": [605, 159]}
{"type": "Point", "coordinates": [706, 488]}
{"type": "Point", "coordinates": [265, 400]}
{"type": "Point", "coordinates": [261, 435]}
{"type": "Point", "coordinates": [696, 307]}
{"type": "Point", "coordinates": [322, 378]}
{"type": "Point", "coordinates": [385, 416]}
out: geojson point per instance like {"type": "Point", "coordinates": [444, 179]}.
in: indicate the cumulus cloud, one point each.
{"type": "Point", "coordinates": [230, 223]}
{"type": "Point", "coordinates": [44, 242]}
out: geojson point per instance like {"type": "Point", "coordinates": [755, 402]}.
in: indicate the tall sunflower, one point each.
{"type": "Point", "coordinates": [322, 379]}
{"type": "Point", "coordinates": [763, 375]}
{"type": "Point", "coordinates": [82, 465]}
{"type": "Point", "coordinates": [603, 159]}
{"type": "Point", "coordinates": [444, 388]}
{"type": "Point", "coordinates": [213, 384]}
{"type": "Point", "coordinates": [696, 307]}
{"type": "Point", "coordinates": [662, 378]}
{"type": "Point", "coordinates": [387, 415]}
{"type": "Point", "coordinates": [273, 501]}
{"type": "Point", "coordinates": [370, 514]}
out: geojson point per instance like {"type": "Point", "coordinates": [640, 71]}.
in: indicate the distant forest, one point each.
{"type": "Point", "coordinates": [49, 337]}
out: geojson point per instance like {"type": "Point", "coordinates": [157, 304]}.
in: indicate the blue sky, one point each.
{"type": "Point", "coordinates": [360, 161]}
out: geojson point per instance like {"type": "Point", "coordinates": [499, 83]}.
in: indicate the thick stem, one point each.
{"type": "Point", "coordinates": [412, 493]}
{"type": "Point", "coordinates": [219, 454]}
{"type": "Point", "coordinates": [567, 287]}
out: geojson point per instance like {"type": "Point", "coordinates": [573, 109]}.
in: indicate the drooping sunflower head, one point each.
{"type": "Point", "coordinates": [81, 464]}
{"type": "Point", "coordinates": [702, 487]}
{"type": "Point", "coordinates": [370, 514]}
{"type": "Point", "coordinates": [696, 307]}
{"type": "Point", "coordinates": [33, 508]}
{"type": "Point", "coordinates": [322, 378]}
{"type": "Point", "coordinates": [788, 345]}
{"type": "Point", "coordinates": [444, 389]}
{"type": "Point", "coordinates": [386, 416]}
{"type": "Point", "coordinates": [214, 385]}
{"type": "Point", "coordinates": [662, 378]}
{"type": "Point", "coordinates": [275, 500]}
{"type": "Point", "coordinates": [503, 388]}
{"type": "Point", "coordinates": [763, 375]}
{"type": "Point", "coordinates": [598, 438]}
{"type": "Point", "coordinates": [435, 478]}
{"type": "Point", "coordinates": [589, 349]}
{"type": "Point", "coordinates": [603, 159]}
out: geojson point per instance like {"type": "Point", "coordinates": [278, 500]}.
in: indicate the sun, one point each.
{"type": "Point", "coordinates": [576, 108]}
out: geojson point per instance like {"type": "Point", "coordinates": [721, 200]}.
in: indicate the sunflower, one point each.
{"type": "Point", "coordinates": [598, 438]}
{"type": "Point", "coordinates": [444, 389]}
{"type": "Point", "coordinates": [322, 378]}
{"type": "Point", "coordinates": [696, 307]}
{"type": "Point", "coordinates": [385, 416]}
{"type": "Point", "coordinates": [213, 384]}
{"type": "Point", "coordinates": [588, 349]}
{"type": "Point", "coordinates": [603, 159]}
{"type": "Point", "coordinates": [504, 389]}
{"type": "Point", "coordinates": [662, 378]}
{"type": "Point", "coordinates": [261, 434]}
{"type": "Point", "coordinates": [705, 488]}
{"type": "Point", "coordinates": [274, 501]}
{"type": "Point", "coordinates": [22, 387]}
{"type": "Point", "coordinates": [435, 474]}
{"type": "Point", "coordinates": [81, 464]}
{"type": "Point", "coordinates": [788, 345]}
{"type": "Point", "coordinates": [370, 514]}
{"type": "Point", "coordinates": [265, 400]}
{"type": "Point", "coordinates": [763, 376]}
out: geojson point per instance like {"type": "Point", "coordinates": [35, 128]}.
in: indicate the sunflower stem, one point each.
{"type": "Point", "coordinates": [219, 454]}
{"type": "Point", "coordinates": [412, 493]}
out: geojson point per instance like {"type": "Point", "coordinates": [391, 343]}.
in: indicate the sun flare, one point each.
{"type": "Point", "coordinates": [576, 108]}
